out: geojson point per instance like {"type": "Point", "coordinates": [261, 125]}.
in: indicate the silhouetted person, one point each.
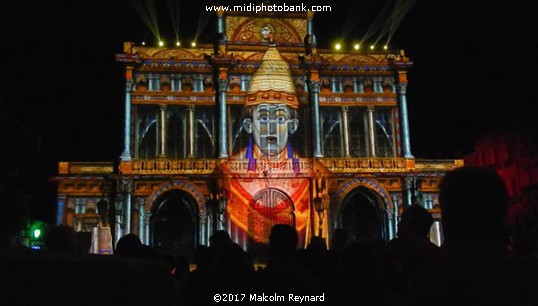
{"type": "Point", "coordinates": [338, 243]}
{"type": "Point", "coordinates": [412, 248]}
{"type": "Point", "coordinates": [478, 269]}
{"type": "Point", "coordinates": [282, 274]}
{"type": "Point", "coordinates": [62, 238]}
{"type": "Point", "coordinates": [218, 240]}
{"type": "Point", "coordinates": [315, 257]}
{"type": "Point", "coordinates": [224, 267]}
{"type": "Point", "coordinates": [365, 277]}
{"type": "Point", "coordinates": [130, 246]}
{"type": "Point", "coordinates": [181, 267]}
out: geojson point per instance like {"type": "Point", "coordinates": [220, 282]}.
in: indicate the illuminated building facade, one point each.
{"type": "Point", "coordinates": [259, 128]}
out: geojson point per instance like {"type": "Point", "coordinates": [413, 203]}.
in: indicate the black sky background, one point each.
{"type": "Point", "coordinates": [474, 67]}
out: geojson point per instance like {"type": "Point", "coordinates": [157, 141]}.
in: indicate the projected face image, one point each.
{"type": "Point", "coordinates": [270, 126]}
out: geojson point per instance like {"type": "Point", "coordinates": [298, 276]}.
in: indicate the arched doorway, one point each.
{"type": "Point", "coordinates": [363, 216]}
{"type": "Point", "coordinates": [174, 224]}
{"type": "Point", "coordinates": [268, 207]}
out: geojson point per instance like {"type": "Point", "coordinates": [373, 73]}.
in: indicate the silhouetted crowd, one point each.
{"type": "Point", "coordinates": [474, 266]}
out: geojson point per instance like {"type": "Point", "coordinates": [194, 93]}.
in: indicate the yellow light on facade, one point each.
{"type": "Point", "coordinates": [178, 44]}
{"type": "Point", "coordinates": [372, 47]}
{"type": "Point", "coordinates": [338, 46]}
{"type": "Point", "coordinates": [356, 46]}
{"type": "Point", "coordinates": [385, 47]}
{"type": "Point", "coordinates": [143, 43]}
{"type": "Point", "coordinates": [161, 43]}
{"type": "Point", "coordinates": [193, 44]}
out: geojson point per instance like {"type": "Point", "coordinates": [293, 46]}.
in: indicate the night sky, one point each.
{"type": "Point", "coordinates": [474, 66]}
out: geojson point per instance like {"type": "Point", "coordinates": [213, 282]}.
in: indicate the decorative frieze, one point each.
{"type": "Point", "coordinates": [353, 165]}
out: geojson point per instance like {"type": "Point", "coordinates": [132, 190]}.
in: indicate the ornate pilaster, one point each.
{"type": "Point", "coordinates": [371, 131]}
{"type": "Point", "coordinates": [400, 66]}
{"type": "Point", "coordinates": [312, 63]}
{"type": "Point", "coordinates": [126, 154]}
{"type": "Point", "coordinates": [129, 60]}
{"type": "Point", "coordinates": [221, 64]}
{"type": "Point", "coordinates": [313, 90]}
{"type": "Point", "coordinates": [345, 125]}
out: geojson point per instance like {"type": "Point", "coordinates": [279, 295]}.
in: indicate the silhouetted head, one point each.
{"type": "Point", "coordinates": [202, 256]}
{"type": "Point", "coordinates": [415, 221]}
{"type": "Point", "coordinates": [182, 266]}
{"type": "Point", "coordinates": [317, 245]}
{"type": "Point", "coordinates": [61, 238]}
{"type": "Point", "coordinates": [474, 203]}
{"type": "Point", "coordinates": [339, 238]}
{"type": "Point", "coordinates": [219, 239]}
{"type": "Point", "coordinates": [283, 241]}
{"type": "Point", "coordinates": [129, 246]}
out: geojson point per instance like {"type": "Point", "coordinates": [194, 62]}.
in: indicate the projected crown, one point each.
{"type": "Point", "coordinates": [272, 82]}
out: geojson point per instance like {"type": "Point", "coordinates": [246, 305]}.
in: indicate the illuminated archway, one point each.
{"type": "Point", "coordinates": [361, 208]}
{"type": "Point", "coordinates": [174, 223]}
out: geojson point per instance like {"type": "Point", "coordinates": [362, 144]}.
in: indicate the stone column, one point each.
{"type": "Point", "coordinates": [151, 85]}
{"type": "Point", "coordinates": [360, 85]}
{"type": "Point", "coordinates": [126, 154]}
{"type": "Point", "coordinates": [355, 85]}
{"type": "Point", "coordinates": [402, 101]}
{"type": "Point", "coordinates": [221, 26]}
{"type": "Point", "coordinates": [223, 87]}
{"type": "Point", "coordinates": [408, 191]}
{"type": "Point", "coordinates": [60, 208]}
{"type": "Point", "coordinates": [244, 80]}
{"type": "Point", "coordinates": [141, 221]}
{"type": "Point", "coordinates": [371, 130]}
{"type": "Point", "coordinates": [309, 25]}
{"type": "Point", "coordinates": [173, 86]}
{"type": "Point", "coordinates": [378, 87]}
{"type": "Point", "coordinates": [198, 85]}
{"type": "Point", "coordinates": [345, 125]}
{"type": "Point", "coordinates": [203, 228]}
{"type": "Point", "coordinates": [161, 153]}
{"type": "Point", "coordinates": [221, 63]}
{"type": "Point", "coordinates": [190, 129]}
{"type": "Point", "coordinates": [313, 89]}
{"type": "Point", "coordinates": [128, 192]}
{"type": "Point", "coordinates": [334, 88]}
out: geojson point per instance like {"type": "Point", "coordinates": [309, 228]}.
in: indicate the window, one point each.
{"type": "Point", "coordinates": [358, 127]}
{"type": "Point", "coordinates": [331, 133]}
{"type": "Point", "coordinates": [145, 131]}
{"type": "Point", "coordinates": [205, 132]}
{"type": "Point", "coordinates": [384, 132]}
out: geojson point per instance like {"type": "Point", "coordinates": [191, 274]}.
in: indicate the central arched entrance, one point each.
{"type": "Point", "coordinates": [363, 216]}
{"type": "Point", "coordinates": [268, 207]}
{"type": "Point", "coordinates": [174, 224]}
